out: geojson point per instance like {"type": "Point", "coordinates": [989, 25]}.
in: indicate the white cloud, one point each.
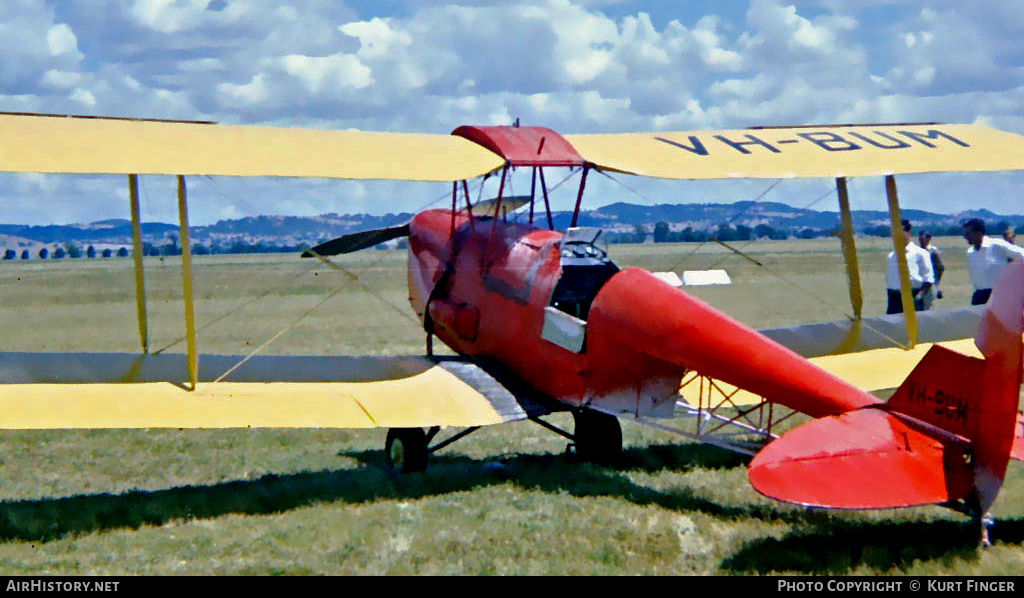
{"type": "Point", "coordinates": [61, 40]}
{"type": "Point", "coordinates": [132, 83]}
{"type": "Point", "coordinates": [951, 49]}
{"type": "Point", "coordinates": [573, 65]}
{"type": "Point", "coordinates": [83, 96]}
{"type": "Point", "coordinates": [711, 50]}
{"type": "Point", "coordinates": [34, 182]}
{"type": "Point", "coordinates": [757, 86]}
{"type": "Point", "coordinates": [240, 96]}
{"type": "Point", "coordinates": [199, 65]}
{"type": "Point", "coordinates": [169, 16]}
{"type": "Point", "coordinates": [60, 79]}
{"type": "Point", "coordinates": [376, 38]}
{"type": "Point", "coordinates": [326, 73]}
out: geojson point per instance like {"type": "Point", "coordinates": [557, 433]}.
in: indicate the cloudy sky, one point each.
{"type": "Point", "coordinates": [577, 66]}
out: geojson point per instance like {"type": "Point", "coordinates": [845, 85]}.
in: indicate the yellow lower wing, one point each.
{"type": "Point", "coordinates": [363, 392]}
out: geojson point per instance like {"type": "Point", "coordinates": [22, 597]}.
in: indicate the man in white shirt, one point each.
{"type": "Point", "coordinates": [924, 240]}
{"type": "Point", "coordinates": [986, 258]}
{"type": "Point", "coordinates": [922, 277]}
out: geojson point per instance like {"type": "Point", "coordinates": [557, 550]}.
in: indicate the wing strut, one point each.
{"type": "Point", "coordinates": [899, 246]}
{"type": "Point", "coordinates": [140, 281]}
{"type": "Point", "coordinates": [849, 248]}
{"type": "Point", "coordinates": [579, 195]}
{"type": "Point", "coordinates": [186, 285]}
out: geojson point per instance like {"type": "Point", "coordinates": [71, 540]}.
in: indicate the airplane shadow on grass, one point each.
{"type": "Point", "coordinates": [50, 519]}
{"type": "Point", "coordinates": [821, 544]}
{"type": "Point", "coordinates": [837, 547]}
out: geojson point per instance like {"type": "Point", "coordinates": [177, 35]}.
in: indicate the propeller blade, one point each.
{"type": "Point", "coordinates": [356, 241]}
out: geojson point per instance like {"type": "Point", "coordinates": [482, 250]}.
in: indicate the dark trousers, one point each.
{"type": "Point", "coordinates": [980, 296]}
{"type": "Point", "coordinates": [896, 302]}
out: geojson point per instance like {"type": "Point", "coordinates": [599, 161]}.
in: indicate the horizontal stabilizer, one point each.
{"type": "Point", "coordinates": [356, 241]}
{"type": "Point", "coordinates": [863, 459]}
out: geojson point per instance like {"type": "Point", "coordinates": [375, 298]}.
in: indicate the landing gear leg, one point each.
{"type": "Point", "coordinates": [984, 523]}
{"type": "Point", "coordinates": [981, 521]}
{"type": "Point", "coordinates": [406, 450]}
{"type": "Point", "coordinates": [598, 436]}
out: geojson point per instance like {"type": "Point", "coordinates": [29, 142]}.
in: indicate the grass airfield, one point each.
{"type": "Point", "coordinates": [505, 500]}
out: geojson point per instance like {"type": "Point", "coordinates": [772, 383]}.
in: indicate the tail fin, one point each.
{"type": "Point", "coordinates": [999, 339]}
{"type": "Point", "coordinates": [945, 435]}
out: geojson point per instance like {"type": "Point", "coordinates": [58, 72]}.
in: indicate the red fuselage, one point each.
{"type": "Point", "coordinates": [488, 290]}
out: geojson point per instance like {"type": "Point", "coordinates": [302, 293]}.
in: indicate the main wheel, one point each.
{"type": "Point", "coordinates": [597, 435]}
{"type": "Point", "coordinates": [406, 450]}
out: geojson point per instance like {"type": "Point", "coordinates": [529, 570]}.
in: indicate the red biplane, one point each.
{"type": "Point", "coordinates": [543, 320]}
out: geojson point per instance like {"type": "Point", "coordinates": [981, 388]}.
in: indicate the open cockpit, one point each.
{"type": "Point", "coordinates": [585, 268]}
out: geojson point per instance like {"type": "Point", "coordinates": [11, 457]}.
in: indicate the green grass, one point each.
{"type": "Point", "coordinates": [505, 500]}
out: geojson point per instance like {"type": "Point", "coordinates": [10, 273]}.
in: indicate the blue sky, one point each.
{"type": "Point", "coordinates": [576, 66]}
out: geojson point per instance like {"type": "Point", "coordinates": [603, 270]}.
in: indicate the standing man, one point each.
{"type": "Point", "coordinates": [1009, 236]}
{"type": "Point", "coordinates": [925, 239]}
{"type": "Point", "coordinates": [986, 258]}
{"type": "Point", "coordinates": [919, 262]}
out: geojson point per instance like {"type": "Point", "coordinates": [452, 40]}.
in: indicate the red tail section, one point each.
{"type": "Point", "coordinates": [862, 459]}
{"type": "Point", "coordinates": [945, 435]}
{"type": "Point", "coordinates": [999, 339]}
{"type": "Point", "coordinates": [945, 391]}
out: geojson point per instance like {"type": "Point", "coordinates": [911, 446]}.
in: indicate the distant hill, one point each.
{"type": "Point", "coordinates": [262, 233]}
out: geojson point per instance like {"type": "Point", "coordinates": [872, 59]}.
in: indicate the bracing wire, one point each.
{"type": "Point", "coordinates": [768, 269]}
{"type": "Point", "coordinates": [733, 219]}
{"type": "Point", "coordinates": [353, 277]}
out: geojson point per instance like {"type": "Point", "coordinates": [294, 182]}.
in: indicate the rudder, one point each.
{"type": "Point", "coordinates": [946, 435]}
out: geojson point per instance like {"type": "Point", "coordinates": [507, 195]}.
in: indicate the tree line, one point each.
{"type": "Point", "coordinates": [661, 233]}
{"type": "Point", "coordinates": [69, 250]}
{"type": "Point", "coordinates": [169, 248]}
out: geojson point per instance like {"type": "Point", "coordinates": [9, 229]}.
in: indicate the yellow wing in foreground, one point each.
{"type": "Point", "coordinates": [112, 146]}
{"type": "Point", "coordinates": [42, 391]}
{"type": "Point", "coordinates": [826, 151]}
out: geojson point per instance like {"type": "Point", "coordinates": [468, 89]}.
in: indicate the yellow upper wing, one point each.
{"type": "Point", "coordinates": [804, 151]}
{"type": "Point", "coordinates": [111, 146]}
{"type": "Point", "coordinates": [97, 145]}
